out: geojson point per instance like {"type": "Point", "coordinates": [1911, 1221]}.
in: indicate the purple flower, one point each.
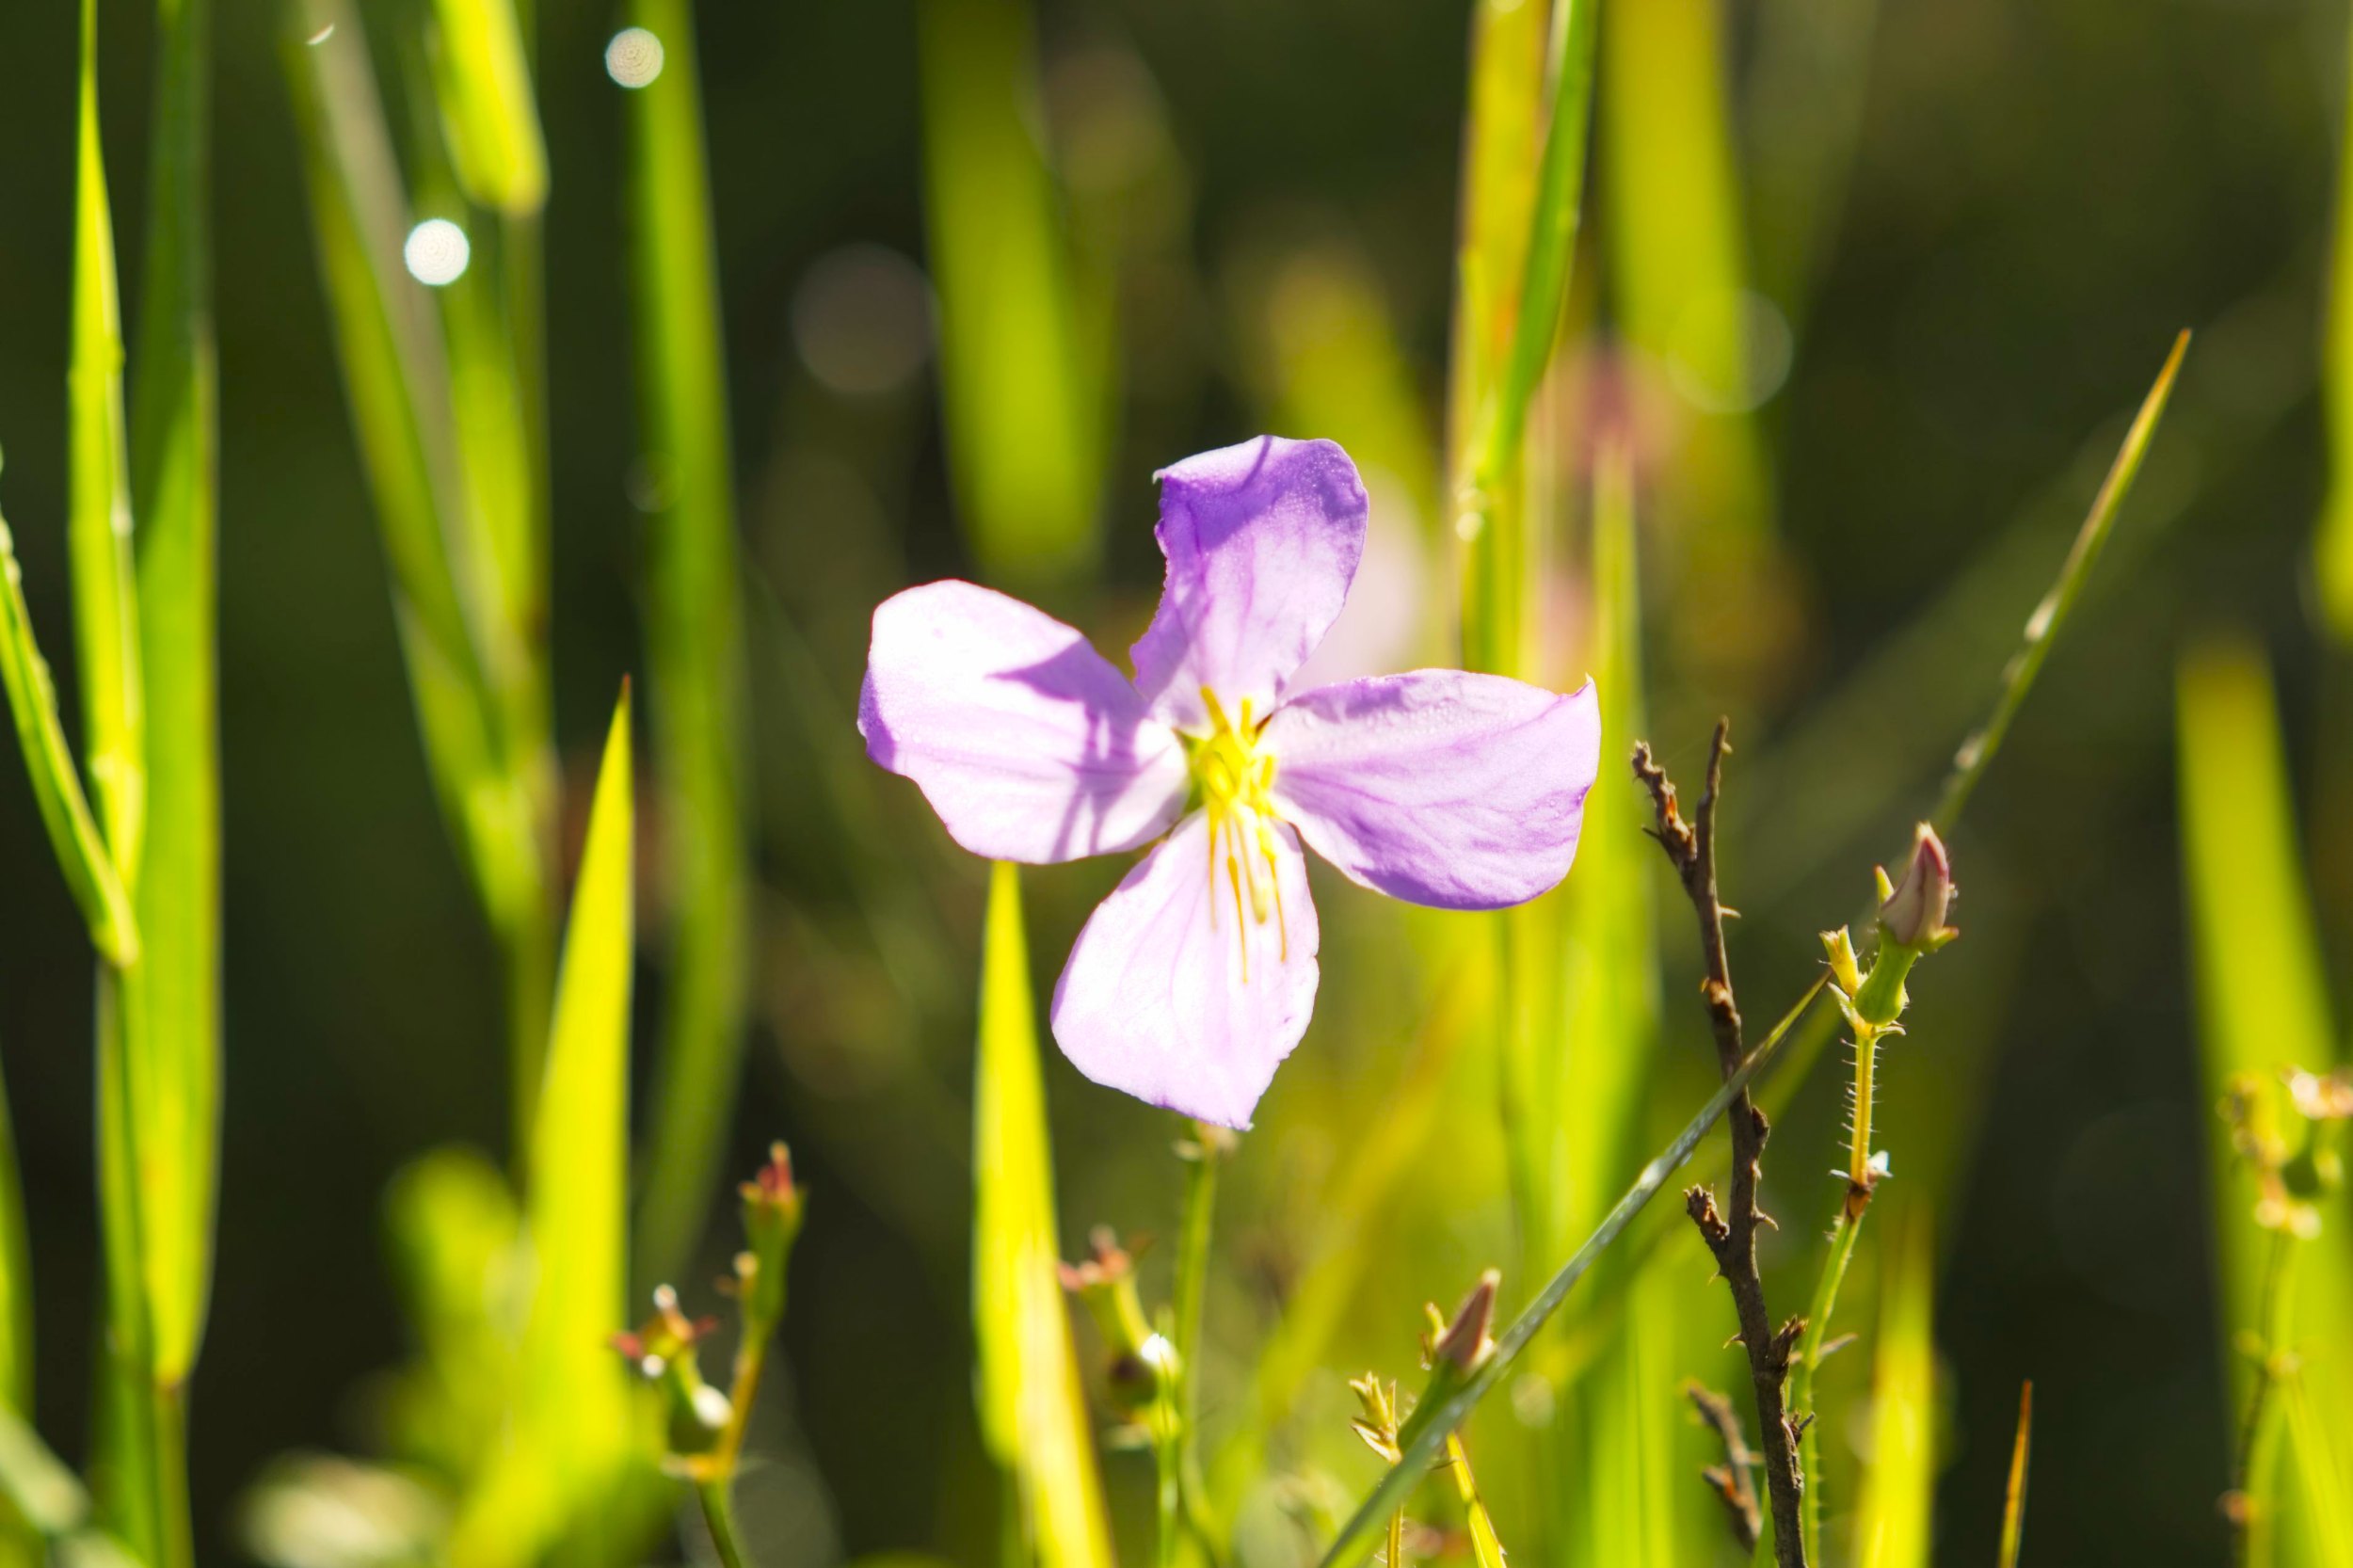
{"type": "Point", "coordinates": [1197, 976]}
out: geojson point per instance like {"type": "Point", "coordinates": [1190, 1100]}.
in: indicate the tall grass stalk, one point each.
{"type": "Point", "coordinates": [695, 641]}
{"type": "Point", "coordinates": [1895, 1521]}
{"type": "Point", "coordinates": [1023, 391]}
{"type": "Point", "coordinates": [1033, 1419]}
{"type": "Point", "coordinates": [2332, 546]}
{"type": "Point", "coordinates": [465, 554]}
{"type": "Point", "coordinates": [2263, 1005]}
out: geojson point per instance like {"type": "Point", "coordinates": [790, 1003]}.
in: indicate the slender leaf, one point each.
{"type": "Point", "coordinates": [1678, 247]}
{"type": "Point", "coordinates": [16, 1277]}
{"type": "Point", "coordinates": [1022, 399]}
{"type": "Point", "coordinates": [2263, 1005]}
{"type": "Point", "coordinates": [2333, 549]}
{"type": "Point", "coordinates": [2323, 1473]}
{"type": "Point", "coordinates": [65, 811]}
{"type": "Point", "coordinates": [1032, 1413]}
{"type": "Point", "coordinates": [1893, 1526]}
{"type": "Point", "coordinates": [487, 110]}
{"type": "Point", "coordinates": [98, 523]}
{"type": "Point", "coordinates": [695, 641]}
{"type": "Point", "coordinates": [174, 466]}
{"type": "Point", "coordinates": [2014, 1499]}
{"type": "Point", "coordinates": [573, 1423]}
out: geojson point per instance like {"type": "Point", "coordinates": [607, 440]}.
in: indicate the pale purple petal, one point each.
{"type": "Point", "coordinates": [1175, 995]}
{"type": "Point", "coordinates": [1262, 540]}
{"type": "Point", "coordinates": [1464, 792]}
{"type": "Point", "coordinates": [1026, 740]}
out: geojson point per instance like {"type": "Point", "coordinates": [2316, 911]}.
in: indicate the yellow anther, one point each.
{"type": "Point", "coordinates": [1237, 781]}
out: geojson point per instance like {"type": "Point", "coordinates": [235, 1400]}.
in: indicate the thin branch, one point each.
{"type": "Point", "coordinates": [1731, 1237]}
{"type": "Point", "coordinates": [1730, 1481]}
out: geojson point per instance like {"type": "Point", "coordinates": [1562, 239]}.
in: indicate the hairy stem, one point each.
{"type": "Point", "coordinates": [2252, 1472]}
{"type": "Point", "coordinates": [1810, 1351]}
{"type": "Point", "coordinates": [1732, 1237]}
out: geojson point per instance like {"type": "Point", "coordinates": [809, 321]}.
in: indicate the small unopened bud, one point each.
{"type": "Point", "coordinates": [1914, 914]}
{"type": "Point", "coordinates": [1142, 1364]}
{"type": "Point", "coordinates": [1844, 972]}
{"type": "Point", "coordinates": [1467, 1344]}
{"type": "Point", "coordinates": [1378, 1425]}
{"type": "Point", "coordinates": [773, 1205]}
{"type": "Point", "coordinates": [662, 1348]}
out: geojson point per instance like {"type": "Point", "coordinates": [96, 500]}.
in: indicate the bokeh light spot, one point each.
{"type": "Point", "coordinates": [634, 58]}
{"type": "Point", "coordinates": [862, 320]}
{"type": "Point", "coordinates": [436, 252]}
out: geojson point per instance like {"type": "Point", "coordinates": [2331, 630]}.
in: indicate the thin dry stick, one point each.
{"type": "Point", "coordinates": [1730, 1481]}
{"type": "Point", "coordinates": [1732, 1237]}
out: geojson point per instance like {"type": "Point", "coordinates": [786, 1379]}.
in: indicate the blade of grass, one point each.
{"type": "Point", "coordinates": [487, 112]}
{"type": "Point", "coordinates": [1678, 280]}
{"type": "Point", "coordinates": [65, 810]}
{"type": "Point", "coordinates": [173, 457]}
{"type": "Point", "coordinates": [1488, 482]}
{"type": "Point", "coordinates": [1433, 1424]}
{"type": "Point", "coordinates": [1024, 410]}
{"type": "Point", "coordinates": [1032, 1413]}
{"type": "Point", "coordinates": [1894, 1524]}
{"type": "Point", "coordinates": [1617, 1473]}
{"type": "Point", "coordinates": [98, 523]}
{"type": "Point", "coordinates": [16, 1277]}
{"type": "Point", "coordinates": [2014, 1500]}
{"type": "Point", "coordinates": [572, 1424]}
{"type": "Point", "coordinates": [2326, 1484]}
{"type": "Point", "coordinates": [2262, 1001]}
{"type": "Point", "coordinates": [475, 672]}
{"type": "Point", "coordinates": [2333, 549]}
{"type": "Point", "coordinates": [695, 641]}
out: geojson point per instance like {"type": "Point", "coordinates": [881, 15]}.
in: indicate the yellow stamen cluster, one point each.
{"type": "Point", "coordinates": [1236, 779]}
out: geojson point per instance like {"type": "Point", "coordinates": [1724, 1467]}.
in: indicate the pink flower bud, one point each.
{"type": "Point", "coordinates": [1914, 914]}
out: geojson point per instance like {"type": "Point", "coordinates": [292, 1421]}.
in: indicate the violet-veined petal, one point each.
{"type": "Point", "coordinates": [1464, 792]}
{"type": "Point", "coordinates": [1176, 994]}
{"type": "Point", "coordinates": [1262, 540]}
{"type": "Point", "coordinates": [1026, 740]}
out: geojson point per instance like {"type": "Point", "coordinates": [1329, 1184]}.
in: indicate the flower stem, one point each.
{"type": "Point", "coordinates": [719, 1514]}
{"type": "Point", "coordinates": [1842, 1241]}
{"type": "Point", "coordinates": [2256, 1434]}
{"type": "Point", "coordinates": [1209, 1146]}
{"type": "Point", "coordinates": [1859, 1177]}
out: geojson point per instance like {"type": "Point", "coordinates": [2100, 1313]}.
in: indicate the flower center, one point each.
{"type": "Point", "coordinates": [1236, 779]}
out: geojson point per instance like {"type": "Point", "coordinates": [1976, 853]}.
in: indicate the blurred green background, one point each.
{"type": "Point", "coordinates": [1971, 229]}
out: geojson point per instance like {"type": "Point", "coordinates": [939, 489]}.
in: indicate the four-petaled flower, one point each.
{"type": "Point", "coordinates": [1195, 977]}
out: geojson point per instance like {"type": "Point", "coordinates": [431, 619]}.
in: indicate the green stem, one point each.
{"type": "Point", "coordinates": [719, 1514]}
{"type": "Point", "coordinates": [2256, 1446]}
{"type": "Point", "coordinates": [1842, 1242]}
{"type": "Point", "coordinates": [1191, 1291]}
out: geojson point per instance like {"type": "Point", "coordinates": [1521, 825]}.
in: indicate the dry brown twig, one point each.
{"type": "Point", "coordinates": [1730, 1237]}
{"type": "Point", "coordinates": [1730, 1481]}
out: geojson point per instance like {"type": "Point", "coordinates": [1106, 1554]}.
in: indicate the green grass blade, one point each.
{"type": "Point", "coordinates": [2322, 1472]}
{"type": "Point", "coordinates": [476, 665]}
{"type": "Point", "coordinates": [1679, 284]}
{"type": "Point", "coordinates": [1033, 1412]}
{"type": "Point", "coordinates": [573, 1427]}
{"type": "Point", "coordinates": [2333, 550]}
{"type": "Point", "coordinates": [2014, 1499]}
{"type": "Point", "coordinates": [65, 810]}
{"type": "Point", "coordinates": [98, 523]}
{"type": "Point", "coordinates": [487, 110]}
{"type": "Point", "coordinates": [1021, 395]}
{"type": "Point", "coordinates": [1623, 1466]}
{"type": "Point", "coordinates": [1893, 1526]}
{"type": "Point", "coordinates": [1500, 146]}
{"type": "Point", "coordinates": [2043, 627]}
{"type": "Point", "coordinates": [1488, 482]}
{"type": "Point", "coordinates": [174, 482]}
{"type": "Point", "coordinates": [393, 372]}
{"type": "Point", "coordinates": [693, 642]}
{"type": "Point", "coordinates": [2263, 1001]}
{"type": "Point", "coordinates": [45, 1492]}
{"type": "Point", "coordinates": [1432, 1424]}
